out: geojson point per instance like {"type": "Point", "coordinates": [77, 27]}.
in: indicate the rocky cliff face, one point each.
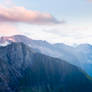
{"type": "Point", "coordinates": [24, 70]}
{"type": "Point", "coordinates": [80, 56]}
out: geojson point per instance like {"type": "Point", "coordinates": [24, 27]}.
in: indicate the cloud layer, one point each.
{"type": "Point", "coordinates": [8, 29]}
{"type": "Point", "coordinates": [20, 14]}
{"type": "Point", "coordinates": [8, 1]}
{"type": "Point", "coordinates": [68, 33]}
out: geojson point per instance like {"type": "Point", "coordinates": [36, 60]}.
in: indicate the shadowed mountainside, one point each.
{"type": "Point", "coordinates": [22, 69]}
{"type": "Point", "coordinates": [80, 56]}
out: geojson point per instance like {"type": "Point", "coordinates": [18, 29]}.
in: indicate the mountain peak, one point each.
{"type": "Point", "coordinates": [3, 39]}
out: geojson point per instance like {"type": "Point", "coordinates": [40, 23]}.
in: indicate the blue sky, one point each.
{"type": "Point", "coordinates": [77, 15]}
{"type": "Point", "coordinates": [67, 9]}
{"type": "Point", "coordinates": [72, 10]}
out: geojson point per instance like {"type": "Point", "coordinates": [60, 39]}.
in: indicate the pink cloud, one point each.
{"type": "Point", "coordinates": [20, 14]}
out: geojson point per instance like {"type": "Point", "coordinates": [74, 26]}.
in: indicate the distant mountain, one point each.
{"type": "Point", "coordinates": [55, 50]}
{"type": "Point", "coordinates": [22, 69]}
{"type": "Point", "coordinates": [73, 55]}
{"type": "Point", "coordinates": [86, 51]}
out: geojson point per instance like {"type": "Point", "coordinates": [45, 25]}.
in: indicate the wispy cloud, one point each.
{"type": "Point", "coordinates": [20, 14]}
{"type": "Point", "coordinates": [8, 3]}
{"type": "Point", "coordinates": [69, 33]}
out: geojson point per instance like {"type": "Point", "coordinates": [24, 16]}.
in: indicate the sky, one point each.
{"type": "Point", "coordinates": [56, 21]}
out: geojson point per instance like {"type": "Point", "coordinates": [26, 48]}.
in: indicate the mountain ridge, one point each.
{"type": "Point", "coordinates": [27, 70]}
{"type": "Point", "coordinates": [78, 56]}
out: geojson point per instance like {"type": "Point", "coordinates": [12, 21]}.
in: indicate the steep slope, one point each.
{"type": "Point", "coordinates": [60, 51]}
{"type": "Point", "coordinates": [75, 56]}
{"type": "Point", "coordinates": [25, 70]}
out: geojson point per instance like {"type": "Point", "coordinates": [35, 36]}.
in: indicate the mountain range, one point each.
{"type": "Point", "coordinates": [81, 55]}
{"type": "Point", "coordinates": [23, 69]}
